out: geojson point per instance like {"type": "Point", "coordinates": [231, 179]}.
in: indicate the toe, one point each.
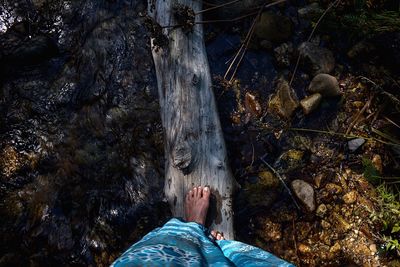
{"type": "Point", "coordinates": [214, 234]}
{"type": "Point", "coordinates": [219, 236]}
{"type": "Point", "coordinates": [194, 192]}
{"type": "Point", "coordinates": [188, 195]}
{"type": "Point", "coordinates": [206, 192]}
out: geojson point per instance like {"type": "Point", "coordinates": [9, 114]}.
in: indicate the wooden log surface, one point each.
{"type": "Point", "coordinates": [194, 145]}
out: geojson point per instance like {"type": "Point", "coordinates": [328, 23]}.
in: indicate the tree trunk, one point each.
{"type": "Point", "coordinates": [194, 145]}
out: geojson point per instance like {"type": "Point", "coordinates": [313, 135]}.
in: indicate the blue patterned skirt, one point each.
{"type": "Point", "coordinates": [180, 243]}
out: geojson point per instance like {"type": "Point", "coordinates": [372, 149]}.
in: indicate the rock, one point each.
{"type": "Point", "coordinates": [334, 250]}
{"type": "Point", "coordinates": [274, 28]}
{"type": "Point", "coordinates": [310, 103]}
{"type": "Point", "coordinates": [350, 197]}
{"type": "Point", "coordinates": [355, 144]}
{"type": "Point", "coordinates": [303, 249]}
{"type": "Point", "coordinates": [333, 189]}
{"type": "Point", "coordinates": [324, 84]}
{"type": "Point", "coordinates": [290, 160]}
{"type": "Point", "coordinates": [284, 102]}
{"type": "Point", "coordinates": [283, 54]}
{"type": "Point", "coordinates": [377, 162]}
{"type": "Point", "coordinates": [372, 248]}
{"type": "Point", "coordinates": [325, 224]}
{"type": "Point", "coordinates": [268, 179]}
{"type": "Point", "coordinates": [321, 210]}
{"type": "Point", "coordinates": [270, 231]}
{"type": "Point", "coordinates": [263, 192]}
{"type": "Point", "coordinates": [362, 48]}
{"type": "Point", "coordinates": [342, 224]}
{"type": "Point", "coordinates": [305, 193]}
{"type": "Point", "coordinates": [317, 59]}
{"type": "Point", "coordinates": [310, 11]}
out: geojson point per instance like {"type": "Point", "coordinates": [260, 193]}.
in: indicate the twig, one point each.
{"type": "Point", "coordinates": [354, 122]}
{"type": "Point", "coordinates": [349, 136]}
{"type": "Point", "coordinates": [392, 122]}
{"type": "Point", "coordinates": [218, 6]}
{"type": "Point", "coordinates": [311, 35]}
{"type": "Point", "coordinates": [282, 181]}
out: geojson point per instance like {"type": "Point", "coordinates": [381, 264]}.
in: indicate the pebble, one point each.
{"type": "Point", "coordinates": [377, 162]}
{"type": "Point", "coordinates": [310, 11]}
{"type": "Point", "coordinates": [350, 197]}
{"type": "Point", "coordinates": [333, 189]}
{"type": "Point", "coordinates": [355, 144]}
{"type": "Point", "coordinates": [305, 193]}
{"type": "Point", "coordinates": [310, 103]}
{"type": "Point", "coordinates": [325, 84]}
{"type": "Point", "coordinates": [303, 249]}
{"type": "Point", "coordinates": [373, 249]}
{"type": "Point", "coordinates": [321, 210]}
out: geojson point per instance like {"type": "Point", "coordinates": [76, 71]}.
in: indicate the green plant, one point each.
{"type": "Point", "coordinates": [388, 215]}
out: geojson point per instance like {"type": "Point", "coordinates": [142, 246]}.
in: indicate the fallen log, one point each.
{"type": "Point", "coordinates": [194, 145]}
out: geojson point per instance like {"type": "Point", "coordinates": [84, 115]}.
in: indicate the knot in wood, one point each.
{"type": "Point", "coordinates": [182, 155]}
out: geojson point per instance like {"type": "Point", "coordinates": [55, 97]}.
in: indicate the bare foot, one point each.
{"type": "Point", "coordinates": [217, 235]}
{"type": "Point", "coordinates": [196, 204]}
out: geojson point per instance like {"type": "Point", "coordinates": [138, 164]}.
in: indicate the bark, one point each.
{"type": "Point", "coordinates": [194, 145]}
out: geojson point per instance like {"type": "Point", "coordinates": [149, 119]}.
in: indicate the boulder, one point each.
{"type": "Point", "coordinates": [305, 193]}
{"type": "Point", "coordinates": [324, 84]}
{"type": "Point", "coordinates": [284, 102]}
{"type": "Point", "coordinates": [317, 59]}
{"type": "Point", "coordinates": [274, 28]}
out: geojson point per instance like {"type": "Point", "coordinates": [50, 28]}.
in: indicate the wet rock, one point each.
{"type": "Point", "coordinates": [283, 54]}
{"type": "Point", "coordinates": [377, 162]}
{"type": "Point", "coordinates": [324, 84]}
{"type": "Point", "coordinates": [263, 192]}
{"type": "Point", "coordinates": [274, 28]}
{"type": "Point", "coordinates": [303, 248]}
{"type": "Point", "coordinates": [350, 197]}
{"type": "Point", "coordinates": [355, 144]}
{"type": "Point", "coordinates": [302, 230]}
{"type": "Point", "coordinates": [317, 59]}
{"type": "Point", "coordinates": [321, 210]}
{"type": "Point", "coordinates": [310, 103]}
{"type": "Point", "coordinates": [269, 230]}
{"type": "Point", "coordinates": [325, 225]}
{"type": "Point", "coordinates": [360, 49]}
{"type": "Point", "coordinates": [305, 193]}
{"type": "Point", "coordinates": [268, 179]}
{"type": "Point", "coordinates": [333, 189]}
{"type": "Point", "coordinates": [284, 102]}
{"type": "Point", "coordinates": [334, 250]}
{"type": "Point", "coordinates": [342, 225]}
{"type": "Point", "coordinates": [310, 11]}
{"type": "Point", "coordinates": [290, 160]}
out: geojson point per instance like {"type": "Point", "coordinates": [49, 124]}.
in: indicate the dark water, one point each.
{"type": "Point", "coordinates": [81, 137]}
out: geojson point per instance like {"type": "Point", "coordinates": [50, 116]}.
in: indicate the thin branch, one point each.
{"type": "Point", "coordinates": [349, 136]}
{"type": "Point", "coordinates": [282, 181]}
{"type": "Point", "coordinates": [354, 122]}
{"type": "Point", "coordinates": [218, 6]}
